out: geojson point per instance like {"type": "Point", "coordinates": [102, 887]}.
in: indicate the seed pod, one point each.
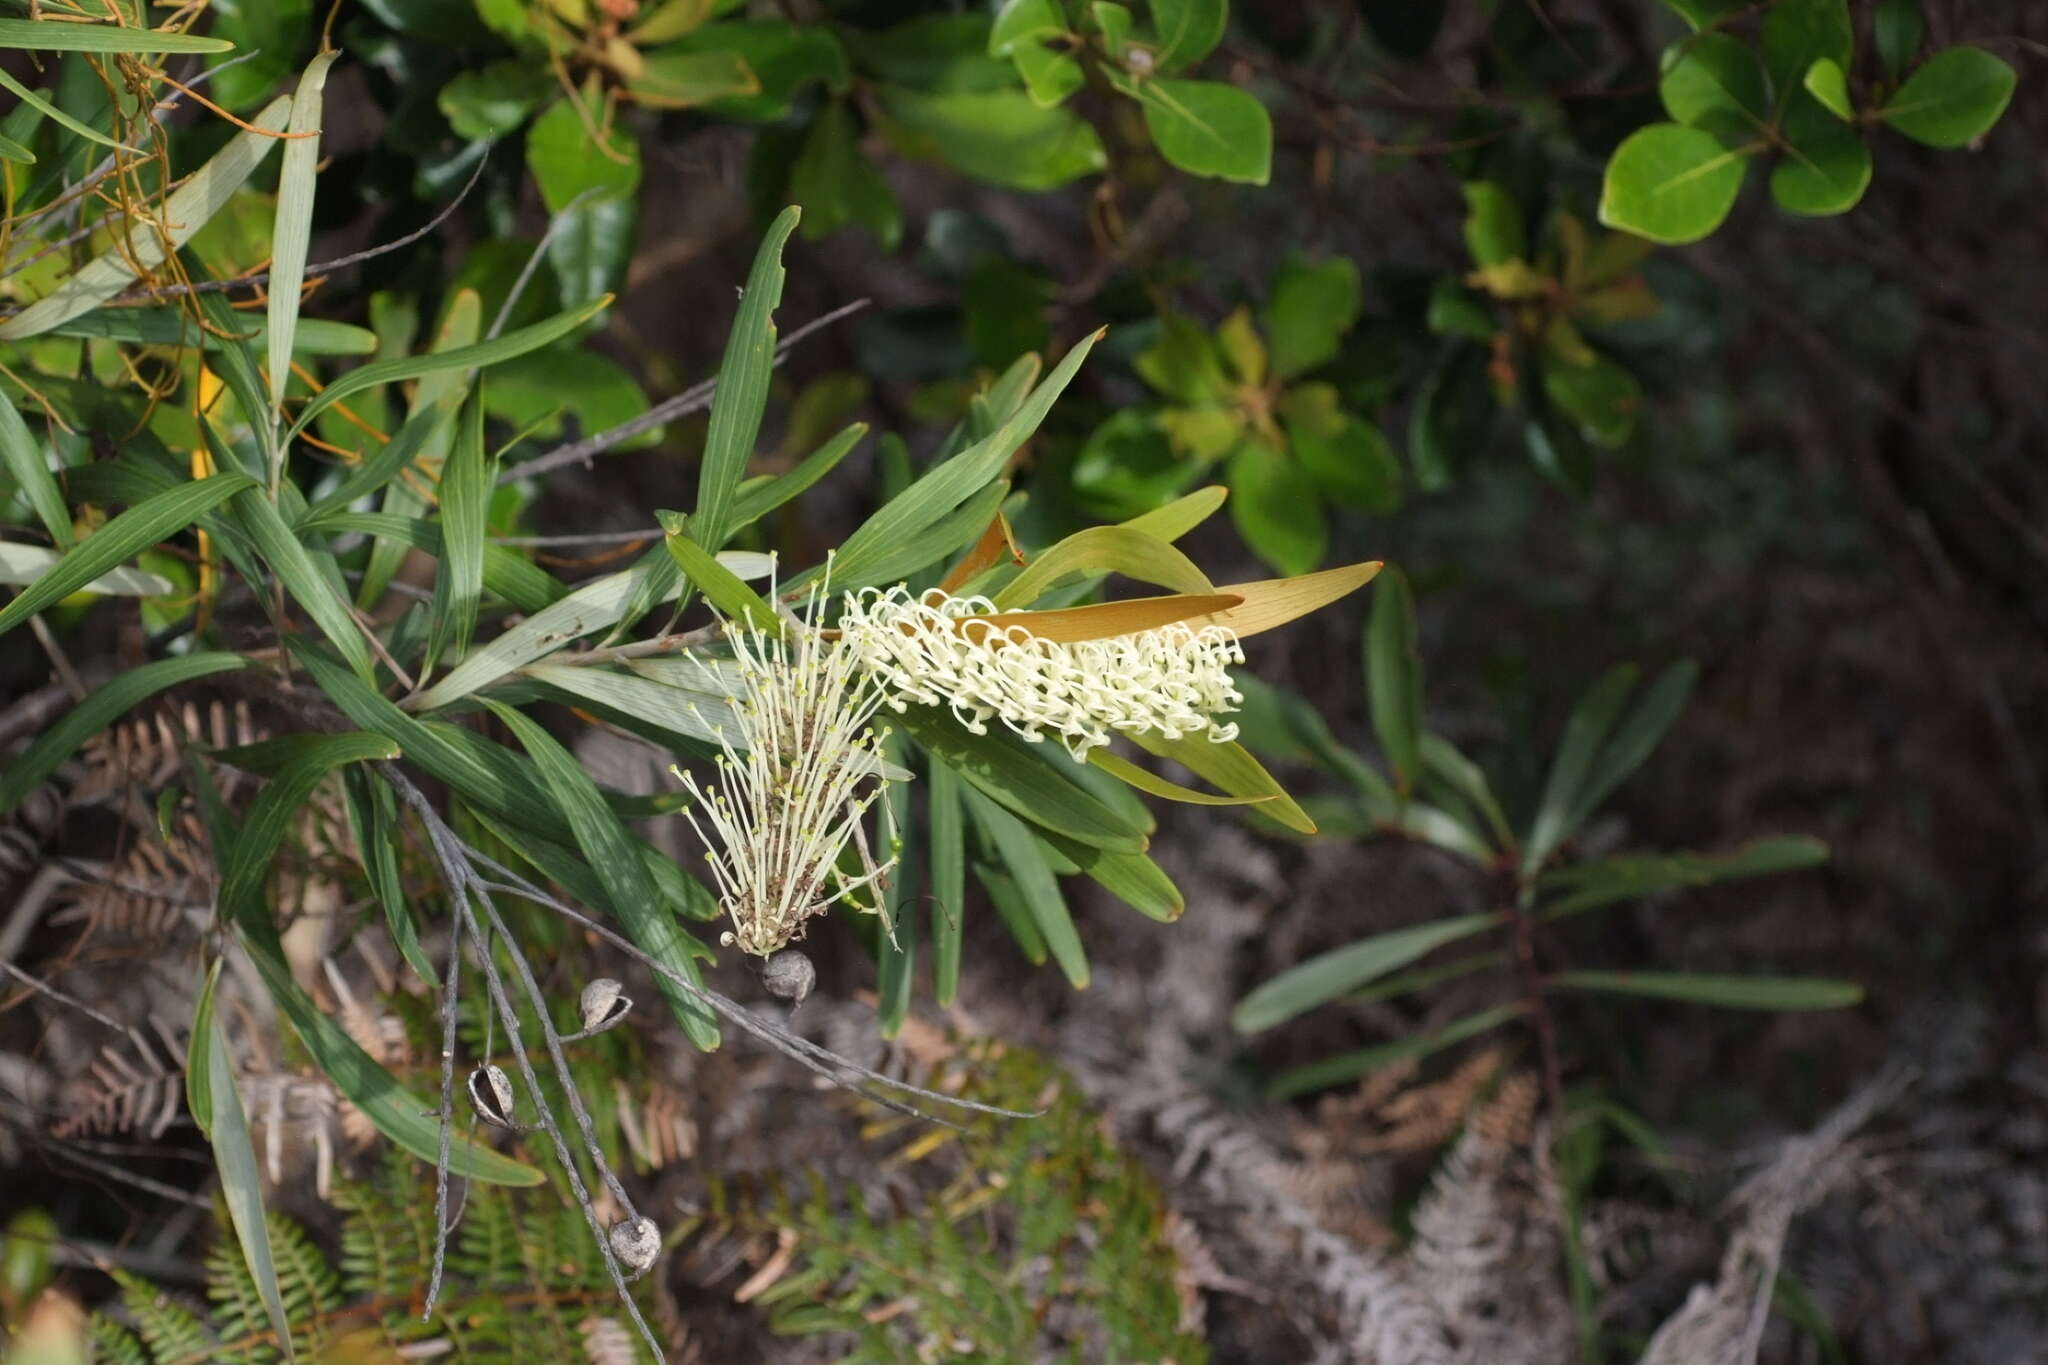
{"type": "Point", "coordinates": [789, 975]}
{"type": "Point", "coordinates": [604, 1004]}
{"type": "Point", "coordinates": [636, 1242]}
{"type": "Point", "coordinates": [490, 1090]}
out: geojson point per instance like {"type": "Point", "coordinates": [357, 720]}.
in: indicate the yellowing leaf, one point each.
{"type": "Point", "coordinates": [1272, 602]}
{"type": "Point", "coordinates": [995, 542]}
{"type": "Point", "coordinates": [1064, 625]}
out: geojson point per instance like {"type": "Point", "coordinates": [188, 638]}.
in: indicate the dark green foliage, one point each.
{"type": "Point", "coordinates": [1017, 1242]}
{"type": "Point", "coordinates": [523, 1279]}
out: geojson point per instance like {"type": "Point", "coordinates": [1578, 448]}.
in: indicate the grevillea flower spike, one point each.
{"type": "Point", "coordinates": [794, 783]}
{"type": "Point", "coordinates": [937, 649]}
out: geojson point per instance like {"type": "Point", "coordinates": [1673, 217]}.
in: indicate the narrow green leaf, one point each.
{"type": "Point", "coordinates": [373, 816]}
{"type": "Point", "coordinates": [721, 587]}
{"type": "Point", "coordinates": [313, 589]}
{"type": "Point", "coordinates": [1393, 675]}
{"type": "Point", "coordinates": [1149, 782]}
{"type": "Point", "coordinates": [217, 1108]}
{"type": "Point", "coordinates": [1014, 779]}
{"type": "Point", "coordinates": [102, 707]}
{"type": "Point", "coordinates": [1232, 768]}
{"type": "Point", "coordinates": [1728, 992]}
{"type": "Point", "coordinates": [1644, 729]}
{"type": "Point", "coordinates": [756, 500]}
{"type": "Point", "coordinates": [1350, 1066]}
{"type": "Point", "coordinates": [476, 356]}
{"type": "Point", "coordinates": [139, 528]}
{"type": "Point", "coordinates": [944, 488]}
{"type": "Point", "coordinates": [1024, 858]}
{"type": "Point", "coordinates": [896, 563]}
{"type": "Point", "coordinates": [294, 227]}
{"type": "Point", "coordinates": [611, 853]}
{"type": "Point", "coordinates": [55, 114]}
{"type": "Point", "coordinates": [1105, 550]}
{"type": "Point", "coordinates": [518, 581]}
{"type": "Point", "coordinates": [1016, 916]}
{"type": "Point", "coordinates": [396, 1112]}
{"type": "Point", "coordinates": [1590, 722]}
{"type": "Point", "coordinates": [56, 35]}
{"type": "Point", "coordinates": [466, 481]}
{"type": "Point", "coordinates": [1441, 759]}
{"type": "Point", "coordinates": [948, 867]}
{"type": "Point", "coordinates": [10, 150]}
{"type": "Point", "coordinates": [1327, 976]}
{"type": "Point", "coordinates": [1603, 881]}
{"type": "Point", "coordinates": [742, 387]}
{"type": "Point", "coordinates": [184, 212]}
{"type": "Point", "coordinates": [1132, 878]}
{"type": "Point", "coordinates": [24, 458]}
{"type": "Point", "coordinates": [245, 864]}
{"type": "Point", "coordinates": [167, 326]}
{"type": "Point", "coordinates": [896, 938]}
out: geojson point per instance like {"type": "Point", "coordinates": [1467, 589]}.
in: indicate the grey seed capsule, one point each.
{"type": "Point", "coordinates": [490, 1090]}
{"type": "Point", "coordinates": [636, 1242]}
{"type": "Point", "coordinates": [604, 1004]}
{"type": "Point", "coordinates": [789, 976]}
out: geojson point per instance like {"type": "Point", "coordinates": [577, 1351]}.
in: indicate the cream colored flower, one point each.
{"type": "Point", "coordinates": [794, 783]}
{"type": "Point", "coordinates": [1173, 680]}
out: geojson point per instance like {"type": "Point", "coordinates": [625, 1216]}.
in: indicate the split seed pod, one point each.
{"type": "Point", "coordinates": [636, 1242]}
{"type": "Point", "coordinates": [490, 1090]}
{"type": "Point", "coordinates": [604, 1004]}
{"type": "Point", "coordinates": [789, 975]}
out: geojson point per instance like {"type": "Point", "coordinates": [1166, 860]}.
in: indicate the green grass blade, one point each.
{"type": "Point", "coordinates": [141, 527]}
{"type": "Point", "coordinates": [315, 589]}
{"type": "Point", "coordinates": [742, 387]}
{"type": "Point", "coordinates": [1327, 976]}
{"type": "Point", "coordinates": [611, 854]}
{"type": "Point", "coordinates": [55, 35]}
{"type": "Point", "coordinates": [185, 211]}
{"type": "Point", "coordinates": [217, 1109]}
{"type": "Point", "coordinates": [292, 231]}
{"type": "Point", "coordinates": [24, 457]}
{"type": "Point", "coordinates": [101, 708]}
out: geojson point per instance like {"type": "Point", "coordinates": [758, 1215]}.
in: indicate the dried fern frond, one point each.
{"type": "Point", "coordinates": [147, 753]}
{"type": "Point", "coordinates": [131, 1085]}
{"type": "Point", "coordinates": [155, 893]}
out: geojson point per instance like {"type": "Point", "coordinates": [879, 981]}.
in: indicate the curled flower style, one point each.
{"type": "Point", "coordinates": [794, 783]}
{"type": "Point", "coordinates": [1173, 680]}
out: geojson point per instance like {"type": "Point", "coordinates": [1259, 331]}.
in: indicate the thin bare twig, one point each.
{"type": "Point", "coordinates": [693, 399]}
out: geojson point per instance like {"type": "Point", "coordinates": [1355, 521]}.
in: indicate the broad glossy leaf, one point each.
{"type": "Point", "coordinates": [1897, 28]}
{"type": "Point", "coordinates": [1671, 184]}
{"type": "Point", "coordinates": [1494, 234]}
{"type": "Point", "coordinates": [1209, 128]}
{"type": "Point", "coordinates": [1188, 30]}
{"type": "Point", "coordinates": [1826, 163]}
{"type": "Point", "coordinates": [1276, 509]}
{"type": "Point", "coordinates": [1954, 99]}
{"type": "Point", "coordinates": [1798, 33]}
{"type": "Point", "coordinates": [1327, 976]}
{"type": "Point", "coordinates": [1000, 136]}
{"type": "Point", "coordinates": [1714, 74]}
{"type": "Point", "coordinates": [1309, 311]}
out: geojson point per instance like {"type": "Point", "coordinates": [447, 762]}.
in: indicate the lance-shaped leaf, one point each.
{"type": "Point", "coordinates": [1123, 770]}
{"type": "Point", "coordinates": [1271, 602]}
{"type": "Point", "coordinates": [139, 528]}
{"type": "Point", "coordinates": [1327, 976]}
{"type": "Point", "coordinates": [184, 212]}
{"type": "Point", "coordinates": [1036, 886]}
{"type": "Point", "coordinates": [1107, 620]}
{"type": "Point", "coordinates": [948, 867]}
{"type": "Point", "coordinates": [1102, 550]}
{"type": "Point", "coordinates": [217, 1109]}
{"type": "Point", "coordinates": [1018, 781]}
{"type": "Point", "coordinates": [1727, 992]}
{"type": "Point", "coordinates": [293, 230]}
{"type": "Point", "coordinates": [1231, 767]}
{"type": "Point", "coordinates": [1603, 881]}
{"type": "Point", "coordinates": [56, 35]}
{"type": "Point", "coordinates": [742, 387]}
{"type": "Point", "coordinates": [1349, 1066]}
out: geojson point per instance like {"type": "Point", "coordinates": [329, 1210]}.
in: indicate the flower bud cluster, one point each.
{"type": "Point", "coordinates": [1173, 680]}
